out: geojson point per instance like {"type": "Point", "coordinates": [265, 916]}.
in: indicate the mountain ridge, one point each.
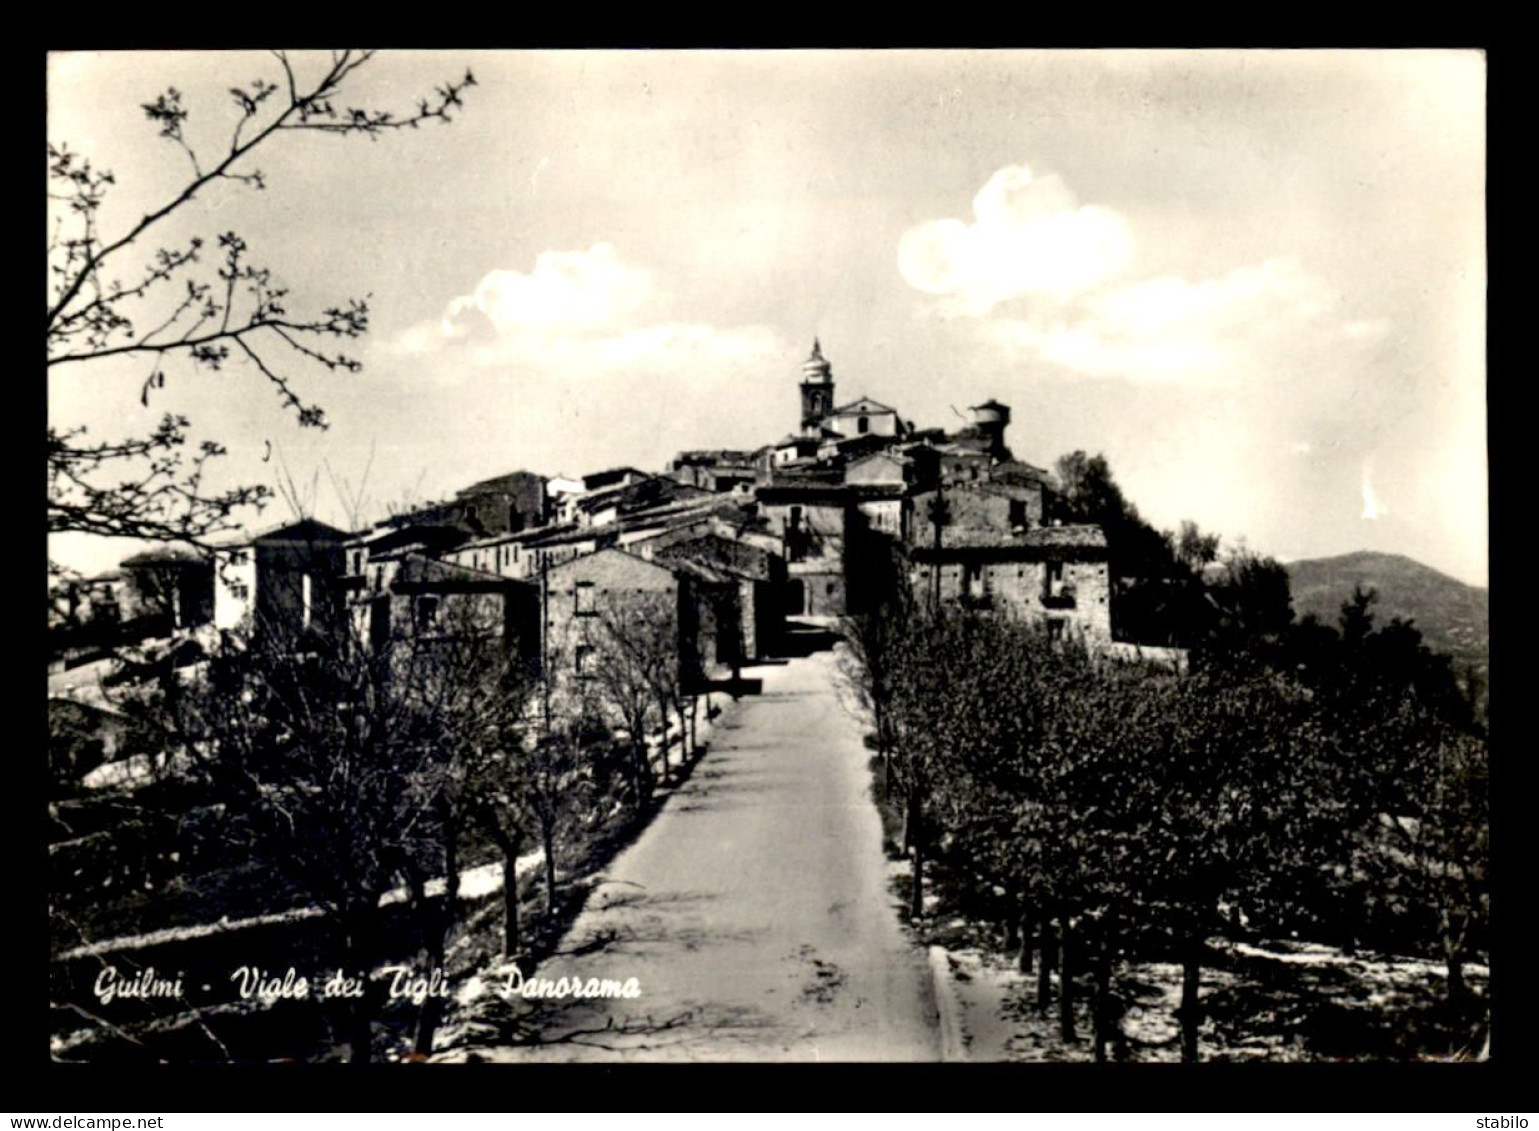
{"type": "Point", "coordinates": [1453, 616]}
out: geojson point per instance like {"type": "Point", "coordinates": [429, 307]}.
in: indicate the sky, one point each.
{"type": "Point", "coordinates": [1254, 280]}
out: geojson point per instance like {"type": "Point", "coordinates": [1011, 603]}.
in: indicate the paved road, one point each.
{"type": "Point", "coordinates": [754, 911]}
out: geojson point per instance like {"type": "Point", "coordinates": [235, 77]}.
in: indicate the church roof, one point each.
{"type": "Point", "coordinates": [863, 405]}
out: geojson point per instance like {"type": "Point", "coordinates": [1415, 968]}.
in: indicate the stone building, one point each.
{"type": "Point", "coordinates": [286, 581]}
{"type": "Point", "coordinates": [813, 522]}
{"type": "Point", "coordinates": [172, 586]}
{"type": "Point", "coordinates": [983, 506]}
{"type": "Point", "coordinates": [422, 599]}
{"type": "Point", "coordinates": [1052, 575]}
{"type": "Point", "coordinates": [504, 505]}
{"type": "Point", "coordinates": [672, 608]}
{"type": "Point", "coordinates": [715, 470]}
{"type": "Point", "coordinates": [759, 577]}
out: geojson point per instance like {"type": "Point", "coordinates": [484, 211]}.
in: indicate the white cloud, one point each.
{"type": "Point", "coordinates": [1030, 236]}
{"type": "Point", "coordinates": [1242, 325]}
{"type": "Point", "coordinates": [568, 291]}
{"type": "Point", "coordinates": [575, 313]}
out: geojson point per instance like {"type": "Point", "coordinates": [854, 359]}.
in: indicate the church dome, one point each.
{"type": "Point", "coordinates": [816, 367]}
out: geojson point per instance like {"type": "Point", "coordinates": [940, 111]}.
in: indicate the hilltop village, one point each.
{"type": "Point", "coordinates": [732, 542]}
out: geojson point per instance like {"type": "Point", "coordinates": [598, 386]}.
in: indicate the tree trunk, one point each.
{"type": "Point", "coordinates": [916, 840]}
{"type": "Point", "coordinates": [548, 843]}
{"type": "Point", "coordinates": [641, 771]}
{"type": "Point", "coordinates": [1191, 1008]}
{"type": "Point", "coordinates": [1103, 1003]}
{"type": "Point", "coordinates": [358, 946]}
{"type": "Point", "coordinates": [1453, 954]}
{"type": "Point", "coordinates": [360, 1038]}
{"type": "Point", "coordinates": [665, 742]}
{"type": "Point", "coordinates": [1067, 955]}
{"type": "Point", "coordinates": [431, 1014]}
{"type": "Point", "coordinates": [511, 940]}
{"type": "Point", "coordinates": [1023, 932]}
{"type": "Point", "coordinates": [1045, 963]}
{"type": "Point", "coordinates": [1457, 990]}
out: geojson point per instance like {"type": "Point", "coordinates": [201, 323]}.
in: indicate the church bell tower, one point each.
{"type": "Point", "coordinates": [817, 389]}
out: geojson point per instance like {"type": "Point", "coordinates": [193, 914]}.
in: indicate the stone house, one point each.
{"type": "Point", "coordinates": [504, 505]}
{"type": "Point", "coordinates": [1053, 575]}
{"type": "Point", "coordinates": [424, 599]}
{"type": "Point", "coordinates": [814, 524]}
{"type": "Point", "coordinates": [758, 576]}
{"type": "Point", "coordinates": [170, 586]}
{"type": "Point", "coordinates": [984, 505]}
{"type": "Point", "coordinates": [715, 470]}
{"type": "Point", "coordinates": [662, 607]}
{"type": "Point", "coordinates": [287, 581]}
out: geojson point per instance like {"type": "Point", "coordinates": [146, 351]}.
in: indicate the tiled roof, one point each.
{"type": "Point", "coordinates": [691, 568]}
{"type": "Point", "coordinates": [500, 482]}
{"type": "Point", "coordinates": [1066, 536]}
{"type": "Point", "coordinates": [419, 570]}
{"type": "Point", "coordinates": [1019, 469]}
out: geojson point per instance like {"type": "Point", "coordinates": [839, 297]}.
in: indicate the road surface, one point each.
{"type": "Point", "coordinates": [754, 912]}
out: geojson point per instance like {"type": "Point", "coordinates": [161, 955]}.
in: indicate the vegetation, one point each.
{"type": "Point", "coordinates": [340, 783]}
{"type": "Point", "coordinates": [1293, 779]}
{"type": "Point", "coordinates": [121, 296]}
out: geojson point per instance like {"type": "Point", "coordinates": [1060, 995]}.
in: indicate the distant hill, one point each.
{"type": "Point", "coordinates": [1453, 617]}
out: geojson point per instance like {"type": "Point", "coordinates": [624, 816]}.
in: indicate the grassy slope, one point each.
{"type": "Point", "coordinates": [1452, 616]}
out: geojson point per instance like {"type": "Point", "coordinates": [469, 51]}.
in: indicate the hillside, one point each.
{"type": "Point", "coordinates": [1453, 617]}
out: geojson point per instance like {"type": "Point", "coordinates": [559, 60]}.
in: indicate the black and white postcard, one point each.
{"type": "Point", "coordinates": [767, 556]}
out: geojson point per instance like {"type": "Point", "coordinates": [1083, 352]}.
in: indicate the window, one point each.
{"type": "Point", "coordinates": [583, 660]}
{"type": "Point", "coordinates": [1052, 579]}
{"type": "Point", "coordinates": [863, 425]}
{"type": "Point", "coordinates": [305, 600]}
{"type": "Point", "coordinates": [424, 612]}
{"type": "Point", "coordinates": [1017, 513]}
{"type": "Point", "coordinates": [584, 599]}
{"type": "Point", "coordinates": [1055, 629]}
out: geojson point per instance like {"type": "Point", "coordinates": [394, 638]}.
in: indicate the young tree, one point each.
{"type": "Point", "coordinates": [334, 761]}
{"type": "Point", "coordinates": [123, 295]}
{"type": "Point", "coordinates": [869, 668]}
{"type": "Point", "coordinates": [635, 665]}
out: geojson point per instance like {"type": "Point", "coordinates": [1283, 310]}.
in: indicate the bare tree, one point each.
{"type": "Point", "coordinates": [339, 763]}
{"type": "Point", "coordinates": [635, 668]}
{"type": "Point", "coordinates": [205, 304]}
